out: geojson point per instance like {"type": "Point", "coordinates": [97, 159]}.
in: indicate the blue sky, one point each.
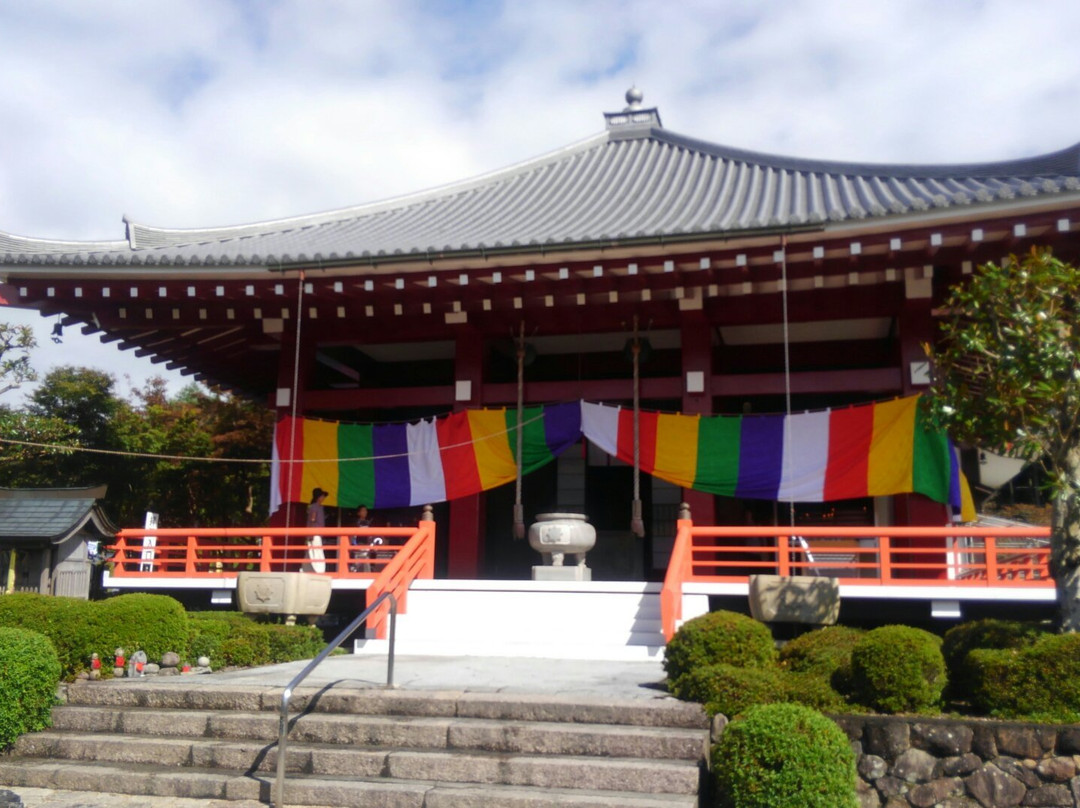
{"type": "Point", "coordinates": [203, 112]}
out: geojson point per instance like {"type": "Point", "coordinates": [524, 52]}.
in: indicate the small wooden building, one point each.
{"type": "Point", "coordinates": [49, 539]}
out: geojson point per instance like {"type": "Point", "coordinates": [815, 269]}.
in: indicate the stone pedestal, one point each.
{"type": "Point", "coordinates": [800, 599]}
{"type": "Point", "coordinates": [289, 593]}
{"type": "Point", "coordinates": [572, 573]}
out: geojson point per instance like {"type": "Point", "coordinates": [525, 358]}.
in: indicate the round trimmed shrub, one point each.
{"type": "Point", "coordinates": [784, 756]}
{"type": "Point", "coordinates": [1040, 682]}
{"type": "Point", "coordinates": [812, 690]}
{"type": "Point", "coordinates": [729, 690]}
{"type": "Point", "coordinates": [820, 652]}
{"type": "Point", "coordinates": [719, 637]}
{"type": "Point", "coordinates": [288, 643]}
{"type": "Point", "coordinates": [898, 669]}
{"type": "Point", "coordinates": [29, 674]}
{"type": "Point", "coordinates": [237, 639]}
{"type": "Point", "coordinates": [205, 636]}
{"type": "Point", "coordinates": [999, 634]}
{"type": "Point", "coordinates": [151, 623]}
{"type": "Point", "coordinates": [71, 624]}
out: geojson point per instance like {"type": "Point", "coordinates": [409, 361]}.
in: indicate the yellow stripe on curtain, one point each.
{"type": "Point", "coordinates": [494, 460]}
{"type": "Point", "coordinates": [677, 448]}
{"type": "Point", "coordinates": [890, 464]}
{"type": "Point", "coordinates": [320, 443]}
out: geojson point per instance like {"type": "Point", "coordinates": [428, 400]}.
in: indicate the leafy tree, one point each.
{"type": "Point", "coordinates": [16, 341]}
{"type": "Point", "coordinates": [1007, 379]}
{"type": "Point", "coordinates": [82, 398]}
{"type": "Point", "coordinates": [29, 460]}
{"type": "Point", "coordinates": [197, 424]}
{"type": "Point", "coordinates": [176, 456]}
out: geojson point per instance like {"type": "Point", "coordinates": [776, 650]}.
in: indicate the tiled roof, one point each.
{"type": "Point", "coordinates": [38, 515]}
{"type": "Point", "coordinates": [634, 181]}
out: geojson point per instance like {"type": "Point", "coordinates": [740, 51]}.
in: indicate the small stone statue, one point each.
{"type": "Point", "coordinates": [137, 664]}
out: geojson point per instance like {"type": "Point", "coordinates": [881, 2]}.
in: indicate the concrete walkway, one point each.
{"type": "Point", "coordinates": [618, 681]}
{"type": "Point", "coordinates": [630, 679]}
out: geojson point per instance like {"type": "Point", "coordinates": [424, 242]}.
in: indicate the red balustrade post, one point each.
{"type": "Point", "coordinates": [992, 570]}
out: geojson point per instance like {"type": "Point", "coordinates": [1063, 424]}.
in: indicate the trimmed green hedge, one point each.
{"type": "Point", "coordinates": [236, 639]}
{"type": "Point", "coordinates": [29, 675]}
{"type": "Point", "coordinates": [70, 624]}
{"type": "Point", "coordinates": [898, 669]}
{"type": "Point", "coordinates": [154, 624]}
{"type": "Point", "coordinates": [784, 756]}
{"type": "Point", "coordinates": [730, 691]}
{"type": "Point", "coordinates": [719, 637]}
{"type": "Point", "coordinates": [141, 622]}
{"type": "Point", "coordinates": [1040, 682]}
{"type": "Point", "coordinates": [960, 640]}
{"type": "Point", "coordinates": [821, 652]}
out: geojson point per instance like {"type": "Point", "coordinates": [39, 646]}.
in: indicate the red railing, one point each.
{"type": "Point", "coordinates": [856, 556]}
{"type": "Point", "coordinates": [185, 554]}
{"type": "Point", "coordinates": [414, 560]}
{"type": "Point", "coordinates": [201, 553]}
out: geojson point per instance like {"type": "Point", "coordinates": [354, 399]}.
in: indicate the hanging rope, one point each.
{"type": "Point", "coordinates": [519, 509]}
{"type": "Point", "coordinates": [787, 370]}
{"type": "Point", "coordinates": [637, 524]}
{"type": "Point", "coordinates": [293, 396]}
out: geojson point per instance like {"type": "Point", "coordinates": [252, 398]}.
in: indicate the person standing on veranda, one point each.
{"type": "Point", "coordinates": [316, 517]}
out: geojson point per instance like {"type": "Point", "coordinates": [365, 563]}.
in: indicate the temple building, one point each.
{"type": "Point", "coordinates": [635, 264]}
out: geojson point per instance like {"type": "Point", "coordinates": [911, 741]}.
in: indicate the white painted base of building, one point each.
{"type": "Point", "coordinates": [542, 619]}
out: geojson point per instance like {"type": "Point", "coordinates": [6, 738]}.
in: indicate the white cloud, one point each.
{"type": "Point", "coordinates": [211, 113]}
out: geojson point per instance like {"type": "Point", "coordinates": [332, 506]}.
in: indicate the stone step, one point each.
{"type": "Point", "coordinates": [185, 695]}
{"type": "Point", "coordinates": [302, 789]}
{"type": "Point", "coordinates": [352, 745]}
{"type": "Point", "coordinates": [642, 647]}
{"type": "Point", "coordinates": [519, 737]}
{"type": "Point", "coordinates": [334, 760]}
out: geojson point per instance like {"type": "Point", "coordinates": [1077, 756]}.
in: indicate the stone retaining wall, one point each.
{"type": "Point", "coordinates": [953, 763]}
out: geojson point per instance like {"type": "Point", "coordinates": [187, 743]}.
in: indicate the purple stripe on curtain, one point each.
{"type": "Point", "coordinates": [761, 455]}
{"type": "Point", "coordinates": [562, 426]}
{"type": "Point", "coordinates": [390, 446]}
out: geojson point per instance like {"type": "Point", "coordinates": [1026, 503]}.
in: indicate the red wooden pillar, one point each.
{"type": "Point", "coordinates": [697, 397]}
{"type": "Point", "coordinates": [465, 535]}
{"type": "Point", "coordinates": [294, 370]}
{"type": "Point", "coordinates": [916, 327]}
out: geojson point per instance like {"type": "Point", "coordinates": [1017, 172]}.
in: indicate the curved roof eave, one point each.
{"type": "Point", "coordinates": [566, 199]}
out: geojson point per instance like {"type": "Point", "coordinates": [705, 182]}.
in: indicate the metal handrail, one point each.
{"type": "Point", "coordinates": [283, 722]}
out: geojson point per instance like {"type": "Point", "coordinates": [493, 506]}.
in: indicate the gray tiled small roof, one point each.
{"type": "Point", "coordinates": [50, 515]}
{"type": "Point", "coordinates": [634, 181]}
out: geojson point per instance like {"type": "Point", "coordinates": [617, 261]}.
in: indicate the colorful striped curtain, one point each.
{"type": "Point", "coordinates": [861, 451]}
{"type": "Point", "coordinates": [399, 465]}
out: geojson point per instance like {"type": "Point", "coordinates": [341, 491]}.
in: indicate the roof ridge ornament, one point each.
{"type": "Point", "coordinates": [634, 115]}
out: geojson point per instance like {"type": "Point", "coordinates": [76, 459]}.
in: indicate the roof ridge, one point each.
{"type": "Point", "coordinates": [1062, 161]}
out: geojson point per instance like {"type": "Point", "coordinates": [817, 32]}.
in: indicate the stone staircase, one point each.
{"type": "Point", "coordinates": [555, 620]}
{"type": "Point", "coordinates": [367, 747]}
